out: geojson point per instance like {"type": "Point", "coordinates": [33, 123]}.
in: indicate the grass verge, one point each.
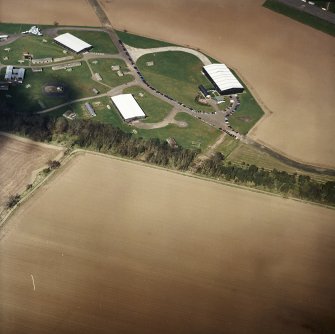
{"type": "Point", "coordinates": [140, 41]}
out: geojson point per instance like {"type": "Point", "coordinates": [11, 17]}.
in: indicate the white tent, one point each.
{"type": "Point", "coordinates": [222, 77]}
{"type": "Point", "coordinates": [72, 42]}
{"type": "Point", "coordinates": [128, 107]}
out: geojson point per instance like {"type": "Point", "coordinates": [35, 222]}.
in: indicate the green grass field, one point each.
{"type": "Point", "coordinates": [100, 40]}
{"type": "Point", "coordinates": [177, 74]}
{"type": "Point", "coordinates": [196, 135]}
{"type": "Point", "coordinates": [31, 44]}
{"type": "Point", "coordinates": [239, 153]}
{"type": "Point", "coordinates": [109, 77]}
{"type": "Point", "coordinates": [140, 41]}
{"type": "Point", "coordinates": [155, 109]}
{"type": "Point", "coordinates": [17, 28]}
{"type": "Point", "coordinates": [78, 84]}
{"type": "Point", "coordinates": [247, 115]}
{"type": "Point", "coordinates": [301, 17]}
{"type": "Point", "coordinates": [104, 115]}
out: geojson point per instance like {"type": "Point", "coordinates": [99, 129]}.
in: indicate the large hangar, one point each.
{"type": "Point", "coordinates": [72, 43]}
{"type": "Point", "coordinates": [128, 107]}
{"type": "Point", "coordinates": [222, 78]}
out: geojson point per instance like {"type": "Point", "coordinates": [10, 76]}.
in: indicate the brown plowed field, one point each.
{"type": "Point", "coordinates": [19, 158]}
{"type": "Point", "coordinates": [115, 247]}
{"type": "Point", "coordinates": [72, 12]}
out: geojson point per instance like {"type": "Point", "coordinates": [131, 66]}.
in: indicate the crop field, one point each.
{"type": "Point", "coordinates": [63, 12]}
{"type": "Point", "coordinates": [177, 74]}
{"type": "Point", "coordinates": [168, 254]}
{"type": "Point", "coordinates": [155, 109]}
{"type": "Point", "coordinates": [109, 77]}
{"type": "Point", "coordinates": [18, 160]}
{"type": "Point", "coordinates": [77, 84]}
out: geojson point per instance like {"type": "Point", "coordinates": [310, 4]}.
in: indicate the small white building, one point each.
{"type": "Point", "coordinates": [72, 43]}
{"type": "Point", "coordinates": [14, 74]}
{"type": "Point", "coordinates": [3, 38]}
{"type": "Point", "coordinates": [128, 107]}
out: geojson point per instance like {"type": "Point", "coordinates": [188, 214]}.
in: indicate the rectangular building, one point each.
{"type": "Point", "coordinates": [72, 43]}
{"type": "Point", "coordinates": [223, 80]}
{"type": "Point", "coordinates": [128, 107]}
{"type": "Point", "coordinates": [14, 74]}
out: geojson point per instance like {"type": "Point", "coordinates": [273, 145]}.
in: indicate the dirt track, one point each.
{"type": "Point", "coordinates": [18, 161]}
{"type": "Point", "coordinates": [141, 250]}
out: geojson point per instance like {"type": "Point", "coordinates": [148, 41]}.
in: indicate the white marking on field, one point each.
{"type": "Point", "coordinates": [32, 278]}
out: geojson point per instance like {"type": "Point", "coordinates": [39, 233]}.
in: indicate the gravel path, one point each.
{"type": "Point", "coordinates": [169, 119]}
{"type": "Point", "coordinates": [136, 53]}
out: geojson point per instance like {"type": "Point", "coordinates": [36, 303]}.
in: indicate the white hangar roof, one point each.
{"type": "Point", "coordinates": [222, 76]}
{"type": "Point", "coordinates": [72, 42]}
{"type": "Point", "coordinates": [127, 106]}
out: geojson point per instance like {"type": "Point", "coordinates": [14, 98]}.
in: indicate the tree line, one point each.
{"type": "Point", "coordinates": [105, 138]}
{"type": "Point", "coordinates": [300, 186]}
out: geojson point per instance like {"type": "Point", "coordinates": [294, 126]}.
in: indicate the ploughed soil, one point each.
{"type": "Point", "coordinates": [109, 246]}
{"type": "Point", "coordinates": [19, 159]}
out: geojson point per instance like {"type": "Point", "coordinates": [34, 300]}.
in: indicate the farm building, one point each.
{"type": "Point", "coordinates": [222, 78]}
{"type": "Point", "coordinates": [72, 43]}
{"type": "Point", "coordinates": [14, 74]}
{"type": "Point", "coordinates": [90, 109]}
{"type": "Point", "coordinates": [128, 107]}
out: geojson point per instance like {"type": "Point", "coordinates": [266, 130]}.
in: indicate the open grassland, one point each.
{"type": "Point", "coordinates": [109, 77]}
{"type": "Point", "coordinates": [19, 159]}
{"type": "Point", "coordinates": [64, 12]}
{"type": "Point", "coordinates": [155, 109]}
{"type": "Point", "coordinates": [281, 60]}
{"type": "Point", "coordinates": [301, 16]}
{"type": "Point", "coordinates": [103, 114]}
{"type": "Point", "coordinates": [241, 154]}
{"type": "Point", "coordinates": [140, 41]}
{"type": "Point", "coordinates": [249, 112]}
{"type": "Point", "coordinates": [17, 28]}
{"type": "Point", "coordinates": [177, 74]}
{"type": "Point", "coordinates": [167, 254]}
{"type": "Point", "coordinates": [32, 44]}
{"type": "Point", "coordinates": [77, 83]}
{"type": "Point", "coordinates": [100, 40]}
{"type": "Point", "coordinates": [196, 135]}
